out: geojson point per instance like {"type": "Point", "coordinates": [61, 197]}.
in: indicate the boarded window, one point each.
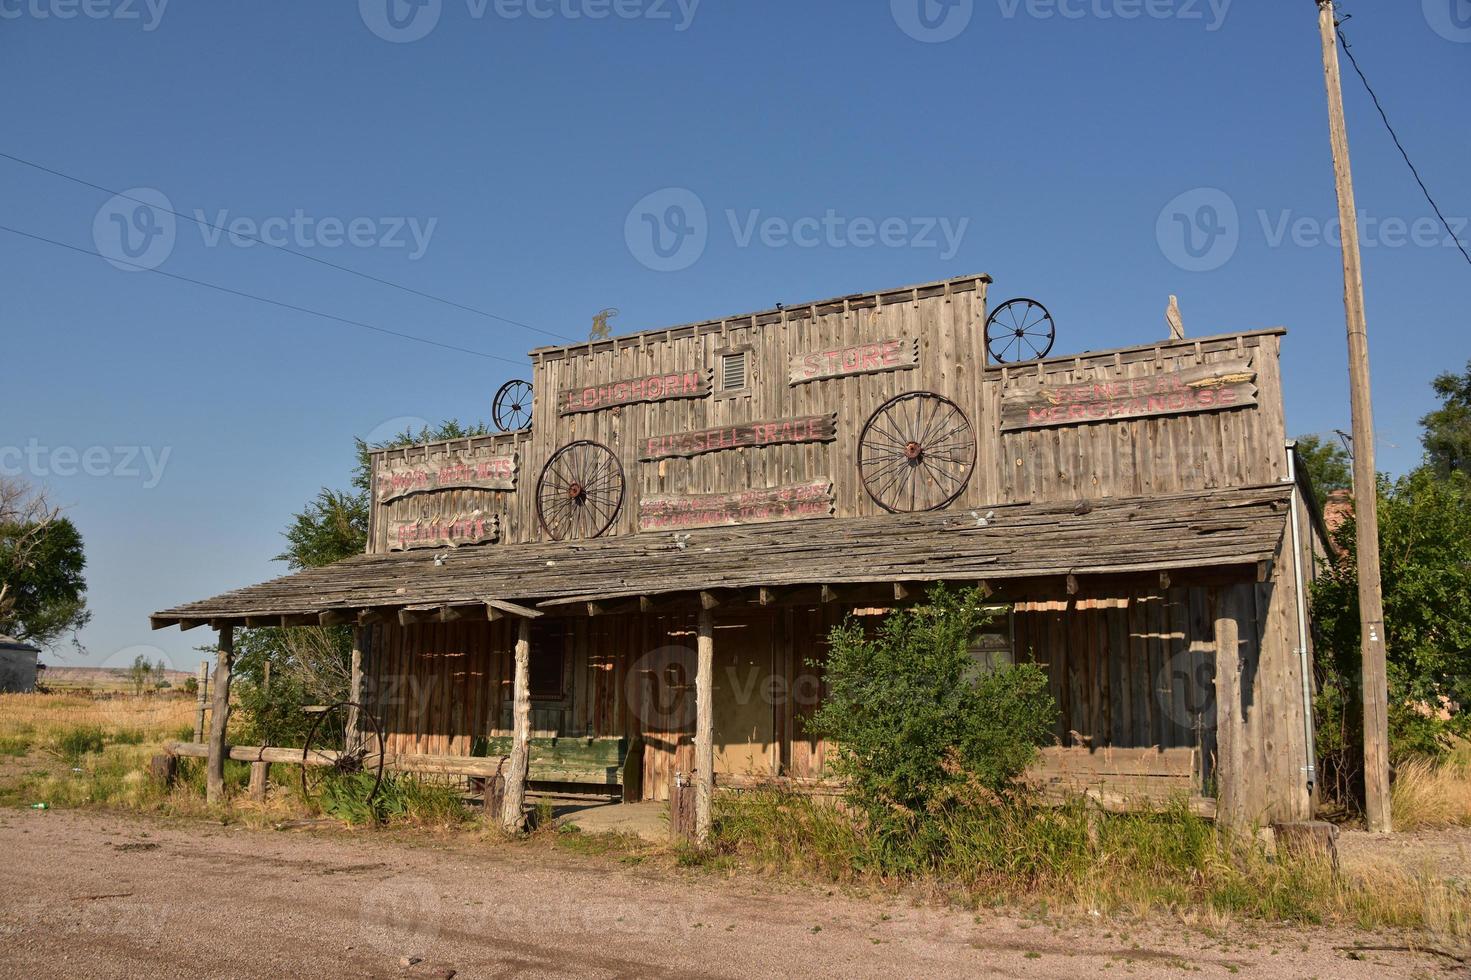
{"type": "Point", "coordinates": [548, 662]}
{"type": "Point", "coordinates": [991, 647]}
{"type": "Point", "coordinates": [733, 371]}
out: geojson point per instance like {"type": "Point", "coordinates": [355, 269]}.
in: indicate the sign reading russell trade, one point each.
{"type": "Point", "coordinates": [1202, 388]}
{"type": "Point", "coordinates": [650, 388]}
{"type": "Point", "coordinates": [806, 428]}
{"type": "Point", "coordinates": [766, 506]}
{"type": "Point", "coordinates": [841, 362]}
{"type": "Point", "coordinates": [478, 469]}
{"type": "Point", "coordinates": [443, 532]}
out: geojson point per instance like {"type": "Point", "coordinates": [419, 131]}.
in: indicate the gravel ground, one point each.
{"type": "Point", "coordinates": [116, 895]}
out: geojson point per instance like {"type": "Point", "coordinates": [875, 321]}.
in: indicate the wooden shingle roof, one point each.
{"type": "Point", "coordinates": [1228, 528]}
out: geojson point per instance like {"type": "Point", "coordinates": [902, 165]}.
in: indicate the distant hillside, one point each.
{"type": "Point", "coordinates": [101, 678]}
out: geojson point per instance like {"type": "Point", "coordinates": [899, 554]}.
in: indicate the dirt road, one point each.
{"type": "Point", "coordinates": [103, 895]}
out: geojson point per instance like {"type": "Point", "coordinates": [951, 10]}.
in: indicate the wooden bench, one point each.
{"type": "Point", "coordinates": [1121, 778]}
{"type": "Point", "coordinates": [584, 765]}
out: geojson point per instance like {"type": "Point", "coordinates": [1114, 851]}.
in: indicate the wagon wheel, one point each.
{"type": "Point", "coordinates": [1020, 330]}
{"type": "Point", "coordinates": [511, 409]}
{"type": "Point", "coordinates": [332, 752]}
{"type": "Point", "coordinates": [916, 453]}
{"type": "Point", "coordinates": [580, 491]}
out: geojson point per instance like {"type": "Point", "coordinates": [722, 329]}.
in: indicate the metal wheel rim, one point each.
{"type": "Point", "coordinates": [372, 734]}
{"type": "Point", "coordinates": [890, 459]}
{"type": "Point", "coordinates": [580, 492]}
{"type": "Point", "coordinates": [511, 408]}
{"type": "Point", "coordinates": [1019, 330]}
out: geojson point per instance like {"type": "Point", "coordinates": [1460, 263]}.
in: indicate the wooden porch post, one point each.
{"type": "Point", "coordinates": [512, 816]}
{"type": "Point", "coordinates": [704, 726]}
{"type": "Point", "coordinates": [219, 717]}
{"type": "Point", "coordinates": [355, 691]}
{"type": "Point", "coordinates": [259, 770]}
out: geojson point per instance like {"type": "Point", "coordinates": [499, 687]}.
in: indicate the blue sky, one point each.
{"type": "Point", "coordinates": [502, 154]}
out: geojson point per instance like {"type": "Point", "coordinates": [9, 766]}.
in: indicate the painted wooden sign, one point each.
{"type": "Point", "coordinates": [841, 362]}
{"type": "Point", "coordinates": [1202, 388]}
{"type": "Point", "coordinates": [651, 388]}
{"type": "Point", "coordinates": [767, 506]}
{"type": "Point", "coordinates": [806, 428]}
{"type": "Point", "coordinates": [478, 469]}
{"type": "Point", "coordinates": [444, 532]}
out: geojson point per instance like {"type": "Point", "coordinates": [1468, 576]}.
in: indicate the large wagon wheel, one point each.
{"type": "Point", "coordinates": [335, 748]}
{"type": "Point", "coordinates": [1020, 330]}
{"type": "Point", "coordinates": [580, 491]}
{"type": "Point", "coordinates": [916, 452]}
{"type": "Point", "coordinates": [511, 409]}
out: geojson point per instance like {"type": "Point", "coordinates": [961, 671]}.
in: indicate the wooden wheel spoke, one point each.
{"type": "Point", "coordinates": [593, 471]}
{"type": "Point", "coordinates": [917, 451]}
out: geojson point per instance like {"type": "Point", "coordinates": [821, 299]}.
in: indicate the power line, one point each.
{"type": "Point", "coordinates": [1348, 50]}
{"type": "Point", "coordinates": [283, 248]}
{"type": "Point", "coordinates": [264, 299]}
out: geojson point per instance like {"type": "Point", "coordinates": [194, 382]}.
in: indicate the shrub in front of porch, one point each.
{"type": "Point", "coordinates": [920, 726]}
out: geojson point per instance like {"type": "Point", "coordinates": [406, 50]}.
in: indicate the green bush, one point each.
{"type": "Point", "coordinates": [399, 798]}
{"type": "Point", "coordinates": [918, 723]}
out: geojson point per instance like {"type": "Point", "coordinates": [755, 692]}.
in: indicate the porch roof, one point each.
{"type": "Point", "coordinates": [1235, 528]}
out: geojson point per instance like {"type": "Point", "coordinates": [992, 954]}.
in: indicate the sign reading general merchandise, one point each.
{"type": "Point", "coordinates": [1202, 388]}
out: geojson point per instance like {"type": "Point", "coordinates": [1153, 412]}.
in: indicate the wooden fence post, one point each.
{"type": "Point", "coordinates": [259, 770]}
{"type": "Point", "coordinates": [512, 815]}
{"type": "Point", "coordinates": [354, 739]}
{"type": "Point", "coordinates": [682, 808]}
{"type": "Point", "coordinates": [219, 717]}
{"type": "Point", "coordinates": [704, 726]}
{"type": "Point", "coordinates": [201, 700]}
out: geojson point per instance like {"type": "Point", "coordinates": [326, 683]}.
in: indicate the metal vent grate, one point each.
{"type": "Point", "coordinates": [733, 371]}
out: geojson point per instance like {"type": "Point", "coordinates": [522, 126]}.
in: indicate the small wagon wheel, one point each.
{"type": "Point", "coordinates": [511, 409]}
{"type": "Point", "coordinates": [916, 452]}
{"type": "Point", "coordinates": [1020, 330]}
{"type": "Point", "coordinates": [580, 491]}
{"type": "Point", "coordinates": [332, 750]}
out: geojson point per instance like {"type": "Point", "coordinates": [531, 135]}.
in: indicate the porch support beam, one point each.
{"type": "Point", "coordinates": [704, 725]}
{"type": "Point", "coordinates": [514, 802]}
{"type": "Point", "coordinates": [219, 717]}
{"type": "Point", "coordinates": [500, 609]}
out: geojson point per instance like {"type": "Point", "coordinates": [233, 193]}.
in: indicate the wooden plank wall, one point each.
{"type": "Point", "coordinates": [1136, 457]}
{"type": "Point", "coordinates": [1142, 457]}
{"type": "Point", "coordinates": [1213, 669]}
{"type": "Point", "coordinates": [948, 329]}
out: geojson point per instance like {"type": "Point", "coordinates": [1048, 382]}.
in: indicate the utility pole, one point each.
{"type": "Point", "coordinates": [1366, 490]}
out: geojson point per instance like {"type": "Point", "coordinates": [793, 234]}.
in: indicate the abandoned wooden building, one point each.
{"type": "Point", "coordinates": [637, 580]}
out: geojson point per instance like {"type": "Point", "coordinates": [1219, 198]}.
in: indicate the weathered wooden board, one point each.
{"type": "Point", "coordinates": [631, 391]}
{"type": "Point", "coordinates": [765, 506]}
{"type": "Point", "coordinates": [1203, 388]}
{"type": "Point", "coordinates": [460, 470]}
{"type": "Point", "coordinates": [461, 529]}
{"type": "Point", "coordinates": [777, 432]}
{"type": "Point", "coordinates": [894, 354]}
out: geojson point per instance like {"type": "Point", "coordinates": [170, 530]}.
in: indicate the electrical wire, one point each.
{"type": "Point", "coordinates": [265, 299]}
{"type": "Point", "coordinates": [283, 248]}
{"type": "Point", "coordinates": [1348, 50]}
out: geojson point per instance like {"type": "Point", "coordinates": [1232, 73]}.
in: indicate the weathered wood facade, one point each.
{"type": "Point", "coordinates": [767, 474]}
